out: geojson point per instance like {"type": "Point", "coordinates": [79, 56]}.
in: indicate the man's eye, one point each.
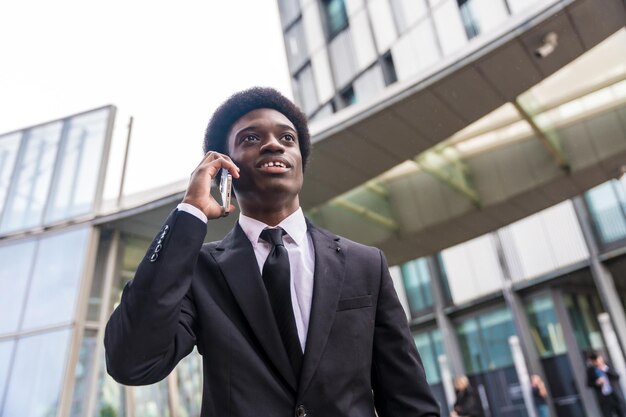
{"type": "Point", "coordinates": [289, 138]}
{"type": "Point", "coordinates": [249, 138]}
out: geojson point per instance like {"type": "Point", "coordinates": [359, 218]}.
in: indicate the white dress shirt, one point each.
{"type": "Point", "coordinates": [301, 259]}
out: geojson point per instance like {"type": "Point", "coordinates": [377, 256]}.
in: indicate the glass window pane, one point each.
{"type": "Point", "coordinates": [336, 17]}
{"type": "Point", "coordinates": [6, 351]}
{"type": "Point", "coordinates": [607, 213]}
{"type": "Point", "coordinates": [56, 279]}
{"type": "Point", "coordinates": [474, 356]}
{"type": "Point", "coordinates": [26, 203]}
{"type": "Point", "coordinates": [296, 46]}
{"type": "Point", "coordinates": [383, 24]}
{"type": "Point", "coordinates": [429, 357]}
{"type": "Point", "coordinates": [37, 375]}
{"type": "Point", "coordinates": [9, 145]}
{"type": "Point", "coordinates": [449, 27]}
{"type": "Point", "coordinates": [544, 326]}
{"type": "Point", "coordinates": [369, 84]}
{"type": "Point", "coordinates": [341, 58]}
{"type": "Point", "coordinates": [416, 279]}
{"type": "Point", "coordinates": [407, 12]}
{"type": "Point", "coordinates": [82, 375]}
{"type": "Point", "coordinates": [305, 90]}
{"type": "Point", "coordinates": [16, 260]}
{"type": "Point", "coordinates": [313, 28]}
{"type": "Point", "coordinates": [189, 372]}
{"type": "Point", "coordinates": [496, 328]}
{"type": "Point", "coordinates": [480, 16]}
{"type": "Point", "coordinates": [364, 50]}
{"type": "Point", "coordinates": [74, 190]}
{"type": "Point", "coordinates": [289, 10]}
{"type": "Point", "coordinates": [322, 75]}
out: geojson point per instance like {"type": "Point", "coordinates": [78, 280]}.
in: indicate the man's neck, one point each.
{"type": "Point", "coordinates": [270, 218]}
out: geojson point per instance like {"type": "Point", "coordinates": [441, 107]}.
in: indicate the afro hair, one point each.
{"type": "Point", "coordinates": [242, 103]}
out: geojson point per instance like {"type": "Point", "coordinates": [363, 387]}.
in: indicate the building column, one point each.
{"type": "Point", "coordinates": [450, 341]}
{"type": "Point", "coordinates": [602, 277]}
{"type": "Point", "coordinates": [520, 320]}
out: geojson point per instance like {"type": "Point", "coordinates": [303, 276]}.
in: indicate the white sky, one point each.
{"type": "Point", "coordinates": [169, 64]}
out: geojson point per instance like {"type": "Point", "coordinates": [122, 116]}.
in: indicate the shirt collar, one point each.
{"type": "Point", "coordinates": [294, 225]}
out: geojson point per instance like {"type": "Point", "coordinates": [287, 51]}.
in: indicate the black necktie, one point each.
{"type": "Point", "coordinates": [276, 276]}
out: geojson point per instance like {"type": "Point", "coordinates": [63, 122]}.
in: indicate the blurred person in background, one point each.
{"type": "Point", "coordinates": [467, 402]}
{"type": "Point", "coordinates": [540, 396]}
{"type": "Point", "coordinates": [604, 381]}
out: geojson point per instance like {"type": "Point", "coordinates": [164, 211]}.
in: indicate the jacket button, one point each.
{"type": "Point", "coordinates": [300, 411]}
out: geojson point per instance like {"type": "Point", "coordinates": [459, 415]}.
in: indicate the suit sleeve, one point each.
{"type": "Point", "coordinates": [398, 378]}
{"type": "Point", "coordinates": [154, 326]}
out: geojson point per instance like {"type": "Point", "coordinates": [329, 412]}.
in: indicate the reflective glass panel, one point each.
{"type": "Point", "coordinates": [37, 375]}
{"type": "Point", "coordinates": [25, 204]}
{"type": "Point", "coordinates": [189, 372]}
{"type": "Point", "coordinates": [313, 28]}
{"type": "Point", "coordinates": [481, 16]}
{"type": "Point", "coordinates": [336, 17]}
{"type": "Point", "coordinates": [449, 26]}
{"type": "Point", "coordinates": [364, 50]}
{"type": "Point", "coordinates": [56, 278]}
{"type": "Point", "coordinates": [342, 58]}
{"type": "Point", "coordinates": [607, 212]}
{"type": "Point", "coordinates": [82, 375]}
{"type": "Point", "coordinates": [496, 328]}
{"type": "Point", "coordinates": [322, 75]}
{"type": "Point", "coordinates": [416, 278]}
{"type": "Point", "coordinates": [383, 24]}
{"type": "Point", "coordinates": [305, 90]}
{"type": "Point", "coordinates": [16, 260]}
{"type": "Point", "coordinates": [74, 189]}
{"type": "Point", "coordinates": [289, 10]}
{"type": "Point", "coordinates": [583, 312]}
{"type": "Point", "coordinates": [296, 46]}
{"type": "Point", "coordinates": [429, 354]}
{"type": "Point", "coordinates": [6, 351]}
{"type": "Point", "coordinates": [152, 400]}
{"type": "Point", "coordinates": [545, 327]}
{"type": "Point", "coordinates": [407, 12]}
{"type": "Point", "coordinates": [369, 84]}
{"type": "Point", "coordinates": [474, 356]}
{"type": "Point", "coordinates": [9, 145]}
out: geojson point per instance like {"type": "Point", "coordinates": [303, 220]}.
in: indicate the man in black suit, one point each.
{"type": "Point", "coordinates": [289, 318]}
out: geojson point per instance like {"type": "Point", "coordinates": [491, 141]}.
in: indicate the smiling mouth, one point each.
{"type": "Point", "coordinates": [274, 167]}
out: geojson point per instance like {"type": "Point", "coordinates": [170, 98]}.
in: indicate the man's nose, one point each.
{"type": "Point", "coordinates": [272, 144]}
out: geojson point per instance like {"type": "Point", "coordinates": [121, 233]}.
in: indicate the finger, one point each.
{"type": "Point", "coordinates": [223, 161]}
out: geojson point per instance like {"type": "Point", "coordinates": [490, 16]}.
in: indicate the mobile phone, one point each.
{"type": "Point", "coordinates": [226, 183]}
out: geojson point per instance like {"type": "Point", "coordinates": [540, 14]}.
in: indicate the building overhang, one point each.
{"type": "Point", "coordinates": [437, 205]}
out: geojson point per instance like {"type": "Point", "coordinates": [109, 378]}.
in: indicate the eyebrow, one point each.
{"type": "Point", "coordinates": [254, 127]}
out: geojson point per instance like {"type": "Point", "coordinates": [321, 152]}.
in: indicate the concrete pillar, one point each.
{"type": "Point", "coordinates": [448, 334]}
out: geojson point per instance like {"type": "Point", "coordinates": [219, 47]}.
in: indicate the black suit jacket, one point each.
{"type": "Point", "coordinates": [359, 352]}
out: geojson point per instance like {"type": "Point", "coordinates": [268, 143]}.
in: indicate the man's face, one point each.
{"type": "Point", "coordinates": [264, 145]}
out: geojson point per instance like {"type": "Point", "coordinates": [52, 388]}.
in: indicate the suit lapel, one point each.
{"type": "Point", "coordinates": [236, 259]}
{"type": "Point", "coordinates": [328, 279]}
